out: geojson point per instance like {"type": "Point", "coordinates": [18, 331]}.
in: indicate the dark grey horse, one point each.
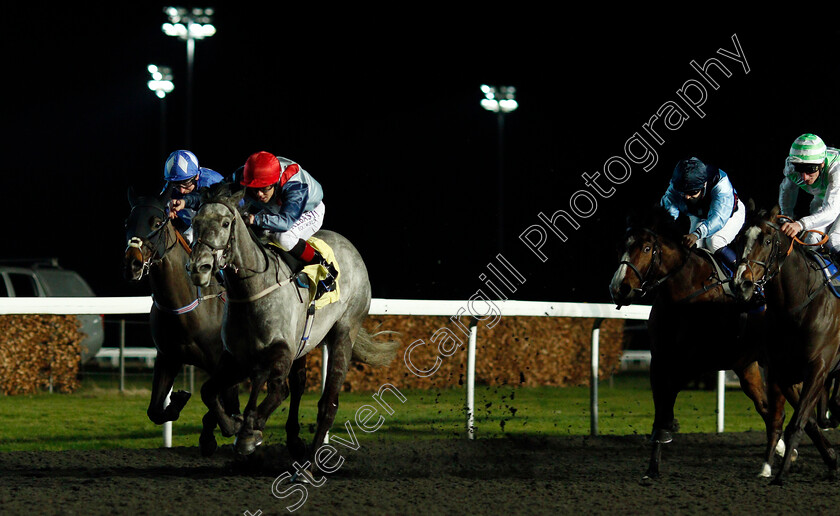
{"type": "Point", "coordinates": [265, 321]}
{"type": "Point", "coordinates": [185, 321]}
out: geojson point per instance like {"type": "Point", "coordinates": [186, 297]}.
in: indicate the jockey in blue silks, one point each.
{"type": "Point", "coordinates": [705, 194]}
{"type": "Point", "coordinates": [182, 173]}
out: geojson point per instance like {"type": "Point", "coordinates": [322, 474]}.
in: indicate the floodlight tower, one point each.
{"type": "Point", "coordinates": [500, 100]}
{"type": "Point", "coordinates": [189, 25]}
{"type": "Point", "coordinates": [161, 84]}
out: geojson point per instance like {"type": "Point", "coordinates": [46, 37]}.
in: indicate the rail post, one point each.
{"type": "Point", "coordinates": [593, 377]}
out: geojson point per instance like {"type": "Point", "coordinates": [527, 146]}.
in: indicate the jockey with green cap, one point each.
{"type": "Point", "coordinates": [814, 168]}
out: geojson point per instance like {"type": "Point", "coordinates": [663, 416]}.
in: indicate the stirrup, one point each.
{"type": "Point", "coordinates": [328, 283]}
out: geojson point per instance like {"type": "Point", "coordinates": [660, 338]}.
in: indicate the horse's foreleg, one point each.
{"type": "Point", "coordinates": [226, 376]}
{"type": "Point", "coordinates": [340, 351]}
{"type": "Point", "coordinates": [166, 369]}
{"type": "Point", "coordinates": [827, 453]}
{"type": "Point", "coordinates": [803, 415]}
{"type": "Point", "coordinates": [770, 404]}
{"type": "Point", "coordinates": [297, 384]}
{"type": "Point", "coordinates": [664, 397]}
{"type": "Point", "coordinates": [255, 416]}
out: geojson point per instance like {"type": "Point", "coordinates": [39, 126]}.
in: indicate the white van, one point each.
{"type": "Point", "coordinates": [44, 278]}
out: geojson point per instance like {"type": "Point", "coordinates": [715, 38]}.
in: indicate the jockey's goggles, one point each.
{"type": "Point", "coordinates": [691, 193]}
{"type": "Point", "coordinates": [186, 183]}
{"type": "Point", "coordinates": [265, 189]}
{"type": "Point", "coordinates": [806, 168]}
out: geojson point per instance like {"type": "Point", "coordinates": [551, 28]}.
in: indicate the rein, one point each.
{"type": "Point", "coordinates": [221, 251]}
{"type": "Point", "coordinates": [154, 258]}
{"type": "Point", "coordinates": [153, 239]}
{"type": "Point", "coordinates": [220, 260]}
{"type": "Point", "coordinates": [776, 250]}
{"type": "Point", "coordinates": [646, 285]}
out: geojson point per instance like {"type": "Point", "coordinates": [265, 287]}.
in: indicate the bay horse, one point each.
{"type": "Point", "coordinates": [185, 321]}
{"type": "Point", "coordinates": [269, 325]}
{"type": "Point", "coordinates": [804, 322]}
{"type": "Point", "coordinates": [695, 327]}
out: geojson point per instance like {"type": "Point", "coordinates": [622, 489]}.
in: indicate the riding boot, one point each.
{"type": "Point", "coordinates": [304, 252]}
{"type": "Point", "coordinates": [728, 259]}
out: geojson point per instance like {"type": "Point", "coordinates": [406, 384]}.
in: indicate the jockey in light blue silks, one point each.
{"type": "Point", "coordinates": [705, 194]}
{"type": "Point", "coordinates": [814, 168]}
{"type": "Point", "coordinates": [182, 173]}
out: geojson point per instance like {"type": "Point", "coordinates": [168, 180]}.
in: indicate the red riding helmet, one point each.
{"type": "Point", "coordinates": [262, 169]}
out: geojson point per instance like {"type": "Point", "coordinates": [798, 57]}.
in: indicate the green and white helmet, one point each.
{"type": "Point", "coordinates": [808, 148]}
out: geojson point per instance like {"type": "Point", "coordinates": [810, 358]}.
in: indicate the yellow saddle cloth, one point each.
{"type": "Point", "coordinates": [316, 272]}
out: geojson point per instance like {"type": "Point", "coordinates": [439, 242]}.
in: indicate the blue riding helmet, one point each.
{"type": "Point", "coordinates": [180, 166]}
{"type": "Point", "coordinates": [690, 175]}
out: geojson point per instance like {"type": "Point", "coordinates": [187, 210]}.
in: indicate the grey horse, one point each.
{"type": "Point", "coordinates": [185, 321]}
{"type": "Point", "coordinates": [265, 324]}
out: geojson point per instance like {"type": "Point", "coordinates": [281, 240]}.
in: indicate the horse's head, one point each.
{"type": "Point", "coordinates": [213, 232]}
{"type": "Point", "coordinates": [641, 255]}
{"type": "Point", "coordinates": [145, 234]}
{"type": "Point", "coordinates": [761, 241]}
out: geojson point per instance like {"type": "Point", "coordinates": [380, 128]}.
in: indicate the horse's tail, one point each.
{"type": "Point", "coordinates": [371, 350]}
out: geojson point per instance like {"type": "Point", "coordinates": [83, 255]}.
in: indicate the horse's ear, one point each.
{"type": "Point", "coordinates": [775, 211]}
{"type": "Point", "coordinates": [237, 196]}
{"type": "Point", "coordinates": [132, 196]}
{"type": "Point", "coordinates": [204, 194]}
{"type": "Point", "coordinates": [750, 205]}
{"type": "Point", "coordinates": [166, 195]}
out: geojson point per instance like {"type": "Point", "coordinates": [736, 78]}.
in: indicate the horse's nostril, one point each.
{"type": "Point", "coordinates": [204, 268]}
{"type": "Point", "coordinates": [624, 289]}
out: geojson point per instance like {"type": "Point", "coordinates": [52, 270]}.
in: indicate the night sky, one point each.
{"type": "Point", "coordinates": [385, 115]}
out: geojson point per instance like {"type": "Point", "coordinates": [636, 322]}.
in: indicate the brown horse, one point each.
{"type": "Point", "coordinates": [695, 327]}
{"type": "Point", "coordinates": [804, 320]}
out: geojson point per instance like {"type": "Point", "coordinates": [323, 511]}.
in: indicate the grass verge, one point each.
{"type": "Point", "coordinates": [99, 416]}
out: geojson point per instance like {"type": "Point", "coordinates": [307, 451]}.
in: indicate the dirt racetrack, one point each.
{"type": "Point", "coordinates": [703, 474]}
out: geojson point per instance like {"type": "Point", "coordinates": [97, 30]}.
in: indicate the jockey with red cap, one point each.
{"type": "Point", "coordinates": [286, 201]}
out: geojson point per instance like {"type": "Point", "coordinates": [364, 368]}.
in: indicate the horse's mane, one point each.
{"type": "Point", "coordinates": [222, 192]}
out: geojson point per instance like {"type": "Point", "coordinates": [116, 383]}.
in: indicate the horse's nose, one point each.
{"type": "Point", "coordinates": [624, 290]}
{"type": "Point", "coordinates": [132, 267]}
{"type": "Point", "coordinates": [204, 268]}
{"type": "Point", "coordinates": [744, 285]}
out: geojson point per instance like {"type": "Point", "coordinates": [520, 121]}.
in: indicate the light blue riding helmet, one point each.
{"type": "Point", "coordinates": [180, 166]}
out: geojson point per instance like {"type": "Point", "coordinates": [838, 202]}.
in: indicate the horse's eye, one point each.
{"type": "Point", "coordinates": [158, 224]}
{"type": "Point", "coordinates": [647, 249]}
{"type": "Point", "coordinates": [225, 224]}
{"type": "Point", "coordinates": [767, 242]}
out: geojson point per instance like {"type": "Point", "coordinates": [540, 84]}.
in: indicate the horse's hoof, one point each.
{"type": "Point", "coordinates": [648, 480]}
{"type": "Point", "coordinates": [661, 436]}
{"type": "Point", "coordinates": [794, 454]}
{"type": "Point", "coordinates": [765, 471]}
{"type": "Point", "coordinates": [207, 445]}
{"type": "Point", "coordinates": [179, 399]}
{"type": "Point", "coordinates": [246, 445]}
{"type": "Point", "coordinates": [780, 448]}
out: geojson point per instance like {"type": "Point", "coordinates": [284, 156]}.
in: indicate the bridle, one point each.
{"type": "Point", "coordinates": [221, 253]}
{"type": "Point", "coordinates": [775, 254]}
{"type": "Point", "coordinates": [157, 249]}
{"type": "Point", "coordinates": [646, 283]}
